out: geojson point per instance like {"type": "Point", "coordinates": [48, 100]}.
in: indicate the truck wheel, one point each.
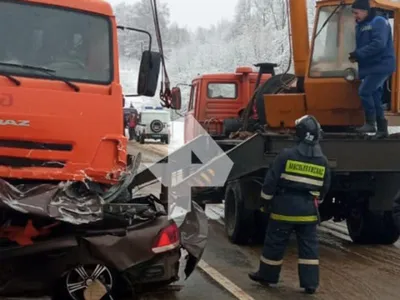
{"type": "Point", "coordinates": [141, 139]}
{"type": "Point", "coordinates": [367, 227]}
{"type": "Point", "coordinates": [239, 221]}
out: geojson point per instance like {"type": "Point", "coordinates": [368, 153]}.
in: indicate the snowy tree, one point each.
{"type": "Point", "coordinates": [258, 33]}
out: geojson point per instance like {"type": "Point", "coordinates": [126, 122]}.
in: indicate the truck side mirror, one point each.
{"type": "Point", "coordinates": [148, 73]}
{"type": "Point", "coordinates": [176, 101]}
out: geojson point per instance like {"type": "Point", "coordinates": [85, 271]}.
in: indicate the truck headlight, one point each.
{"type": "Point", "coordinates": [350, 74]}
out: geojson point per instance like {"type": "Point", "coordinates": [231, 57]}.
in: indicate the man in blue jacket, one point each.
{"type": "Point", "coordinates": [376, 62]}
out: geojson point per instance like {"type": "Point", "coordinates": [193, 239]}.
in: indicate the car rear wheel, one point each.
{"type": "Point", "coordinates": [74, 284]}
{"type": "Point", "coordinates": [166, 140]}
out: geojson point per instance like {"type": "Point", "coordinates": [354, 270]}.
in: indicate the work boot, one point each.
{"type": "Point", "coordinates": [382, 125]}
{"type": "Point", "coordinates": [255, 276]}
{"type": "Point", "coordinates": [310, 290]}
{"type": "Point", "coordinates": [368, 127]}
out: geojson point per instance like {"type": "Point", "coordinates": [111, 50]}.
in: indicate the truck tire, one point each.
{"type": "Point", "coordinates": [239, 221]}
{"type": "Point", "coordinates": [367, 227]}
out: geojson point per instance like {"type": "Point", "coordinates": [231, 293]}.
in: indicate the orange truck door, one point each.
{"type": "Point", "coordinates": [190, 115]}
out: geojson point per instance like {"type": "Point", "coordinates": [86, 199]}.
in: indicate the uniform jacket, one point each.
{"type": "Point", "coordinates": [293, 183]}
{"type": "Point", "coordinates": [374, 46]}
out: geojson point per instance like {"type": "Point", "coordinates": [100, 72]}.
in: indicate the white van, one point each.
{"type": "Point", "coordinates": [153, 124]}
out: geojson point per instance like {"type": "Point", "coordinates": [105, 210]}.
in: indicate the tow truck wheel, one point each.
{"type": "Point", "coordinates": [239, 221]}
{"type": "Point", "coordinates": [367, 227]}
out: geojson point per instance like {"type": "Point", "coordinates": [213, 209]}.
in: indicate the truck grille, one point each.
{"type": "Point", "coordinates": [17, 162]}
{"type": "Point", "coordinates": [35, 145]}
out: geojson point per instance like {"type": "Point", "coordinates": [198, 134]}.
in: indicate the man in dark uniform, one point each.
{"type": "Point", "coordinates": [297, 181]}
{"type": "Point", "coordinates": [376, 60]}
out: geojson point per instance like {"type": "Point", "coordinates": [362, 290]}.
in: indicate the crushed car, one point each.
{"type": "Point", "coordinates": [62, 239]}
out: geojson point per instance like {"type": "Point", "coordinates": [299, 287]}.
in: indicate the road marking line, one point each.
{"type": "Point", "coordinates": [224, 282]}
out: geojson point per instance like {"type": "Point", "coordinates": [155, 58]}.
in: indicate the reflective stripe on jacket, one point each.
{"type": "Point", "coordinates": [293, 182]}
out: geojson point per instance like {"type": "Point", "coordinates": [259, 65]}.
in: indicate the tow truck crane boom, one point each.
{"type": "Point", "coordinates": [299, 35]}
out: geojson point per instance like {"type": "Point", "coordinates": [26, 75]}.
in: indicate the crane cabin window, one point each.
{"type": "Point", "coordinates": [224, 90]}
{"type": "Point", "coordinates": [73, 45]}
{"type": "Point", "coordinates": [334, 40]}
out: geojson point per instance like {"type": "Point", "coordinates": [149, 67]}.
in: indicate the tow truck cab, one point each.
{"type": "Point", "coordinates": [60, 93]}
{"type": "Point", "coordinates": [222, 96]}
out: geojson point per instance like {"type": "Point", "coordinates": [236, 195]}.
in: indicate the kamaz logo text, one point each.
{"type": "Point", "coordinates": [25, 123]}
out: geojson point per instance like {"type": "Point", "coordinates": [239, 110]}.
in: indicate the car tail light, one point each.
{"type": "Point", "coordinates": [168, 239]}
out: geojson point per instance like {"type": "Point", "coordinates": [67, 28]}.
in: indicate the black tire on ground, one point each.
{"type": "Point", "coordinates": [239, 222]}
{"type": "Point", "coordinates": [367, 227]}
{"type": "Point", "coordinates": [141, 139]}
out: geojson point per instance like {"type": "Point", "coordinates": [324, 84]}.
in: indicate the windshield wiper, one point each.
{"type": "Point", "coordinates": [49, 72]}
{"type": "Point", "coordinates": [329, 17]}
{"type": "Point", "coordinates": [12, 79]}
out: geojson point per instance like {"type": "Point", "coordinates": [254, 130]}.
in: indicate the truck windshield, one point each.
{"type": "Point", "coordinates": [334, 43]}
{"type": "Point", "coordinates": [75, 45]}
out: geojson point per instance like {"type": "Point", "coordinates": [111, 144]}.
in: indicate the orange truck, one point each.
{"type": "Point", "coordinates": [365, 170]}
{"type": "Point", "coordinates": [60, 95]}
{"type": "Point", "coordinates": [217, 100]}
{"type": "Point", "coordinates": [67, 213]}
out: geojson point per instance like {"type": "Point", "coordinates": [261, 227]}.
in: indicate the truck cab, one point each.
{"type": "Point", "coordinates": [215, 98]}
{"type": "Point", "coordinates": [60, 93]}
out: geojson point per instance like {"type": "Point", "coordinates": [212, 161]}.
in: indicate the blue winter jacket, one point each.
{"type": "Point", "coordinates": [374, 46]}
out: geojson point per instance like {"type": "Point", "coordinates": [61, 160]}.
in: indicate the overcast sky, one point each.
{"type": "Point", "coordinates": [195, 13]}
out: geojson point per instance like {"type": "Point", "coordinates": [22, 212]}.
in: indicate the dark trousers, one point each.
{"type": "Point", "coordinates": [371, 92]}
{"type": "Point", "coordinates": [276, 240]}
{"type": "Point", "coordinates": [132, 133]}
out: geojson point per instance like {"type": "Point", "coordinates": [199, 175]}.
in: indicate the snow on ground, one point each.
{"type": "Point", "coordinates": [394, 129]}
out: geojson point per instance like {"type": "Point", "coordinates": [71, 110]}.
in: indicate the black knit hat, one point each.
{"type": "Point", "coordinates": [361, 4]}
